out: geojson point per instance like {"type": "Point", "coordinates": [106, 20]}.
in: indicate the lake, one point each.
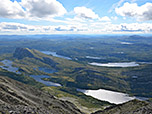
{"type": "Point", "coordinates": [125, 64]}
{"type": "Point", "coordinates": [47, 83]}
{"type": "Point", "coordinates": [91, 57]}
{"type": "Point", "coordinates": [107, 95]}
{"type": "Point", "coordinates": [126, 43]}
{"type": "Point", "coordinates": [55, 54]}
{"type": "Point", "coordinates": [8, 66]}
{"type": "Point", "coordinates": [47, 70]}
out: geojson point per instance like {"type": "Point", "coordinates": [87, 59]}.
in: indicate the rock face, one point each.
{"type": "Point", "coordinates": [18, 98]}
{"type": "Point", "coordinates": [20, 53]}
{"type": "Point", "coordinates": [131, 107]}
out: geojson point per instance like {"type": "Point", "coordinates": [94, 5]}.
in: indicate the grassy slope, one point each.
{"type": "Point", "coordinates": [77, 75]}
{"type": "Point", "coordinates": [87, 104]}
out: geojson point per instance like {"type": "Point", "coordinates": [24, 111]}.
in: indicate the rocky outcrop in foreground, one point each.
{"type": "Point", "coordinates": [18, 98]}
{"type": "Point", "coordinates": [131, 107]}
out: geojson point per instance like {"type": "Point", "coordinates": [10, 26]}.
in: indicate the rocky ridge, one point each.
{"type": "Point", "coordinates": [18, 98]}
{"type": "Point", "coordinates": [131, 107]}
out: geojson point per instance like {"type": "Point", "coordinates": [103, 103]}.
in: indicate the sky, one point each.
{"type": "Point", "coordinates": [75, 17]}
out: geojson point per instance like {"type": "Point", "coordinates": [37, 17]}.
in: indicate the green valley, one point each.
{"type": "Point", "coordinates": [28, 58]}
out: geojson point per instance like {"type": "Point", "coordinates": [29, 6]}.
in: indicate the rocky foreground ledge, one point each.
{"type": "Point", "coordinates": [18, 98]}
{"type": "Point", "coordinates": [131, 107]}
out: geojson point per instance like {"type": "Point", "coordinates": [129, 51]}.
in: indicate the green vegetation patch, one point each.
{"type": "Point", "coordinates": [79, 99]}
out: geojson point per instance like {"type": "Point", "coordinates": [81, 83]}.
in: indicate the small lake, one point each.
{"type": "Point", "coordinates": [91, 57]}
{"type": "Point", "coordinates": [107, 95]}
{"type": "Point", "coordinates": [46, 70]}
{"type": "Point", "coordinates": [8, 66]}
{"type": "Point", "coordinates": [47, 83]}
{"type": "Point", "coordinates": [55, 54]}
{"type": "Point", "coordinates": [126, 64]}
{"type": "Point", "coordinates": [126, 43]}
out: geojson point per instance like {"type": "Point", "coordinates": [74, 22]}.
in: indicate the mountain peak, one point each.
{"type": "Point", "coordinates": [20, 53]}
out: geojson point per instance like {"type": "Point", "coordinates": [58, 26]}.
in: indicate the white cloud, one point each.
{"type": "Point", "coordinates": [9, 9]}
{"type": "Point", "coordinates": [85, 13]}
{"type": "Point", "coordinates": [70, 28]}
{"type": "Point", "coordinates": [141, 13]}
{"type": "Point", "coordinates": [43, 8]}
{"type": "Point", "coordinates": [115, 5]}
{"type": "Point", "coordinates": [31, 9]}
{"type": "Point", "coordinates": [105, 18]}
{"type": "Point", "coordinates": [94, 28]}
{"type": "Point", "coordinates": [114, 17]}
{"type": "Point", "coordinates": [108, 27]}
{"type": "Point", "coordinates": [119, 3]}
{"type": "Point", "coordinates": [132, 28]}
{"type": "Point", "coordinates": [17, 28]}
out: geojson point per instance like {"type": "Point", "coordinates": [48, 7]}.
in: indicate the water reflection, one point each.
{"type": "Point", "coordinates": [47, 83]}
{"type": "Point", "coordinates": [55, 54]}
{"type": "Point", "coordinates": [8, 66]}
{"type": "Point", "coordinates": [106, 95]}
{"type": "Point", "coordinates": [126, 64]}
